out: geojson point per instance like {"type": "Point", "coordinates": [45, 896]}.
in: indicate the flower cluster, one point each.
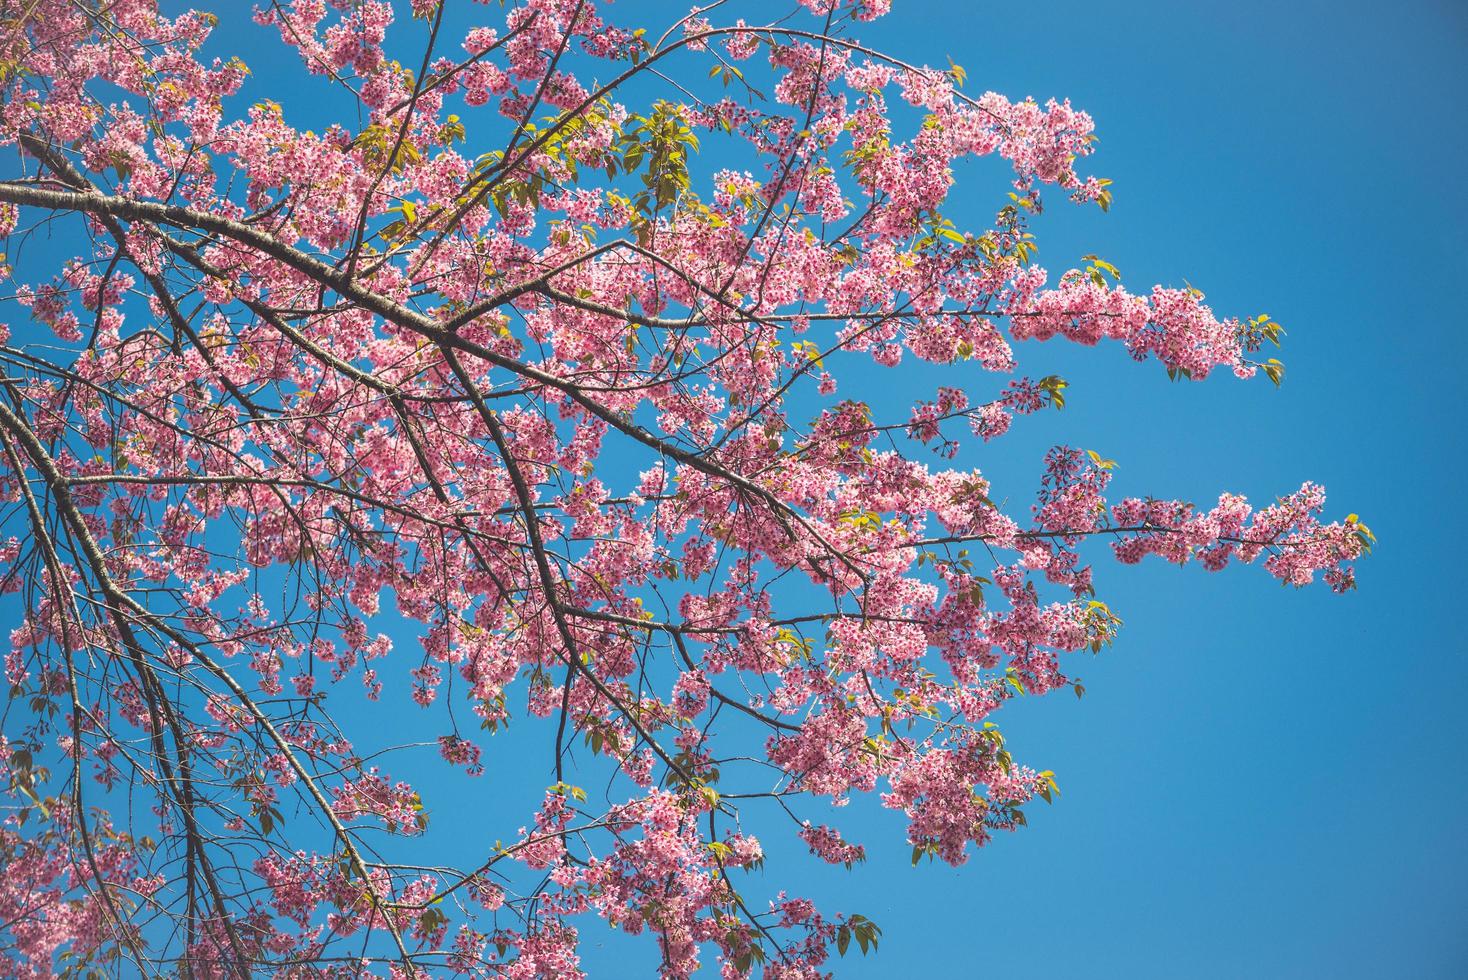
{"type": "Point", "coordinates": [451, 393]}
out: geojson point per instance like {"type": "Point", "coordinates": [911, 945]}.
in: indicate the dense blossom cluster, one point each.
{"type": "Point", "coordinates": [484, 401]}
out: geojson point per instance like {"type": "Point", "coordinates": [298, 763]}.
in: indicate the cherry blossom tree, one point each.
{"type": "Point", "coordinates": [533, 387]}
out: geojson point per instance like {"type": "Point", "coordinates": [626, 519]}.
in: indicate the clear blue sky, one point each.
{"type": "Point", "coordinates": [1259, 781]}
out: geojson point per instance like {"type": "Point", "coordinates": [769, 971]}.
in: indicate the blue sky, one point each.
{"type": "Point", "coordinates": [1259, 781]}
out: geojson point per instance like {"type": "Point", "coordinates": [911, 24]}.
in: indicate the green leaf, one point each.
{"type": "Point", "coordinates": [956, 71]}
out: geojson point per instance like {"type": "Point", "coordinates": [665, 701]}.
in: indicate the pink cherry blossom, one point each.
{"type": "Point", "coordinates": [537, 379]}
